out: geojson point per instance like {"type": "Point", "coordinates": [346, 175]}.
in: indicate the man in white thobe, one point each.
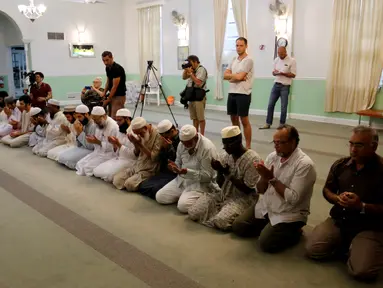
{"type": "Point", "coordinates": [103, 150]}
{"type": "Point", "coordinates": [20, 138]}
{"type": "Point", "coordinates": [39, 120]}
{"type": "Point", "coordinates": [55, 133]}
{"type": "Point", "coordinates": [193, 166]}
{"type": "Point", "coordinates": [70, 138]}
{"type": "Point", "coordinates": [123, 148]}
{"type": "Point", "coordinates": [84, 126]}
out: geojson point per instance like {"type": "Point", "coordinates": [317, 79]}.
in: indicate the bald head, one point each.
{"type": "Point", "coordinates": [282, 52]}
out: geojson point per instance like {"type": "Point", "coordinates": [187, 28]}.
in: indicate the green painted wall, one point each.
{"type": "Point", "coordinates": [307, 96]}
{"type": "Point", "coordinates": [5, 79]}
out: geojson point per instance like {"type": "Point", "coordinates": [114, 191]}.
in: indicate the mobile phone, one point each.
{"type": "Point", "coordinates": [88, 87]}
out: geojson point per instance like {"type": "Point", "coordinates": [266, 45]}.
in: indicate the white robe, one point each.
{"type": "Point", "coordinates": [54, 154]}
{"type": "Point", "coordinates": [70, 157]}
{"type": "Point", "coordinates": [5, 121]}
{"type": "Point", "coordinates": [101, 153]}
{"type": "Point", "coordinates": [37, 136]}
{"type": "Point", "coordinates": [26, 128]}
{"type": "Point", "coordinates": [123, 159]}
{"type": "Point", "coordinates": [54, 135]}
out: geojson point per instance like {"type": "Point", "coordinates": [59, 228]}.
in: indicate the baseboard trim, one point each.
{"type": "Point", "coordinates": [304, 117]}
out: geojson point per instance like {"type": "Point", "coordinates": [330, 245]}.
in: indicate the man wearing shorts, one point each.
{"type": "Point", "coordinates": [240, 75]}
{"type": "Point", "coordinates": [196, 76]}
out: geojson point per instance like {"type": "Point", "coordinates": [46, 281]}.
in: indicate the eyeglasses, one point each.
{"type": "Point", "coordinates": [279, 142]}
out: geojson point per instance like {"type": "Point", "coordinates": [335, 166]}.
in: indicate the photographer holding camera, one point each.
{"type": "Point", "coordinates": [40, 92]}
{"type": "Point", "coordinates": [195, 91]}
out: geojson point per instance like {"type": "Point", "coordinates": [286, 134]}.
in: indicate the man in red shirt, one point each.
{"type": "Point", "coordinates": [40, 92]}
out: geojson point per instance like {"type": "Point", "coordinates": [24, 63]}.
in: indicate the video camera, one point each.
{"type": "Point", "coordinates": [186, 64]}
{"type": "Point", "coordinates": [31, 77]}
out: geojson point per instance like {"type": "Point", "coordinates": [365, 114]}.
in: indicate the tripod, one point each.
{"type": "Point", "coordinates": [144, 87]}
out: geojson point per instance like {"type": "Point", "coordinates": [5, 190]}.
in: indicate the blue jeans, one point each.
{"type": "Point", "coordinates": [282, 91]}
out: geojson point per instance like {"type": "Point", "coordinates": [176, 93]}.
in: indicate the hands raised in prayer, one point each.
{"type": "Point", "coordinates": [136, 140]}
{"type": "Point", "coordinates": [217, 166]}
{"type": "Point", "coordinates": [175, 169]}
{"type": "Point", "coordinates": [166, 141]}
{"type": "Point", "coordinates": [114, 141]}
{"type": "Point", "coordinates": [65, 128]}
{"type": "Point", "coordinates": [266, 174]}
{"type": "Point", "coordinates": [93, 140]}
{"type": "Point", "coordinates": [78, 127]}
{"type": "Point", "coordinates": [350, 200]}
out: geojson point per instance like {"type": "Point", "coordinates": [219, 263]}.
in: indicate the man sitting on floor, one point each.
{"type": "Point", "coordinates": [237, 178]}
{"type": "Point", "coordinates": [170, 140]}
{"type": "Point", "coordinates": [20, 138]}
{"type": "Point", "coordinates": [355, 227]}
{"type": "Point", "coordinates": [103, 150]}
{"type": "Point", "coordinates": [124, 157]}
{"type": "Point", "coordinates": [193, 167]}
{"type": "Point", "coordinates": [287, 182]}
{"type": "Point", "coordinates": [83, 127]}
{"type": "Point", "coordinates": [39, 120]}
{"type": "Point", "coordinates": [10, 117]}
{"type": "Point", "coordinates": [55, 133]}
{"type": "Point", "coordinates": [70, 139]}
{"type": "Point", "coordinates": [147, 145]}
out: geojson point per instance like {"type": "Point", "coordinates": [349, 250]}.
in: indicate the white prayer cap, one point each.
{"type": "Point", "coordinates": [138, 123]}
{"type": "Point", "coordinates": [34, 111]}
{"type": "Point", "coordinates": [18, 103]}
{"type": "Point", "coordinates": [123, 113]}
{"type": "Point", "coordinates": [98, 111]}
{"type": "Point", "coordinates": [69, 109]}
{"type": "Point", "coordinates": [164, 126]}
{"type": "Point", "coordinates": [230, 132]}
{"type": "Point", "coordinates": [187, 132]}
{"type": "Point", "coordinates": [54, 102]}
{"type": "Point", "coordinates": [82, 109]}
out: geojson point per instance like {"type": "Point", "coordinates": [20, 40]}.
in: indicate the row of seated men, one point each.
{"type": "Point", "coordinates": [233, 190]}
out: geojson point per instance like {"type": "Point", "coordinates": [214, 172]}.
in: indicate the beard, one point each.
{"type": "Point", "coordinates": [85, 121]}
{"type": "Point", "coordinates": [101, 125]}
{"type": "Point", "coordinates": [123, 127]}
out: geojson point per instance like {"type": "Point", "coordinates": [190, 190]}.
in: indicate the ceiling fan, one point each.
{"type": "Point", "coordinates": [86, 1]}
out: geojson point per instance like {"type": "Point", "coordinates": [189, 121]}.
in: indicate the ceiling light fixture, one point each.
{"type": "Point", "coordinates": [31, 11]}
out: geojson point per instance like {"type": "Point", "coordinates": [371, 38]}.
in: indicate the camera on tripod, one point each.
{"type": "Point", "coordinates": [186, 64]}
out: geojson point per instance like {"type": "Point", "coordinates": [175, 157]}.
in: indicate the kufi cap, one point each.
{"type": "Point", "coordinates": [230, 132]}
{"type": "Point", "coordinates": [138, 123]}
{"type": "Point", "coordinates": [82, 109]}
{"type": "Point", "coordinates": [18, 103]}
{"type": "Point", "coordinates": [54, 102]}
{"type": "Point", "coordinates": [34, 111]}
{"type": "Point", "coordinates": [98, 111]}
{"type": "Point", "coordinates": [124, 113]}
{"type": "Point", "coordinates": [69, 109]}
{"type": "Point", "coordinates": [164, 126]}
{"type": "Point", "coordinates": [187, 132]}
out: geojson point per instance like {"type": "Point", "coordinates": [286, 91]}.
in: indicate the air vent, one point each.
{"type": "Point", "coordinates": [55, 36]}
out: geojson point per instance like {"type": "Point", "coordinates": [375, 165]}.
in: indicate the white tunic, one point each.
{"type": "Point", "coordinates": [124, 158]}
{"type": "Point", "coordinates": [55, 153]}
{"type": "Point", "coordinates": [101, 153]}
{"type": "Point", "coordinates": [54, 135]}
{"type": "Point", "coordinates": [37, 136]}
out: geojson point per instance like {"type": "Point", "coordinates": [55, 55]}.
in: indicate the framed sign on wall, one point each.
{"type": "Point", "coordinates": [182, 55]}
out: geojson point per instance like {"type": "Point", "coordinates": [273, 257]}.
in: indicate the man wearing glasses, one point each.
{"type": "Point", "coordinates": [355, 226]}
{"type": "Point", "coordinates": [287, 181]}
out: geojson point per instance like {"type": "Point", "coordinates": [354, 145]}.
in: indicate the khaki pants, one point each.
{"type": "Point", "coordinates": [197, 110]}
{"type": "Point", "coordinates": [365, 253]}
{"type": "Point", "coordinates": [117, 103]}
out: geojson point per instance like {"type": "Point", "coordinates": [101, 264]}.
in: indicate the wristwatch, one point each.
{"type": "Point", "coordinates": [363, 211]}
{"type": "Point", "coordinates": [273, 181]}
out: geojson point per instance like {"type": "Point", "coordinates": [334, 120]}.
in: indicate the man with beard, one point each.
{"type": "Point", "coordinates": [103, 149]}
{"type": "Point", "coordinates": [20, 138]}
{"type": "Point", "coordinates": [286, 186]}
{"type": "Point", "coordinates": [193, 168]}
{"type": "Point", "coordinates": [237, 178]}
{"type": "Point", "coordinates": [39, 119]}
{"type": "Point", "coordinates": [83, 127]}
{"type": "Point", "coordinates": [55, 133]}
{"type": "Point", "coordinates": [54, 154]}
{"type": "Point", "coordinates": [147, 145]}
{"type": "Point", "coordinates": [170, 140]}
{"type": "Point", "coordinates": [123, 148]}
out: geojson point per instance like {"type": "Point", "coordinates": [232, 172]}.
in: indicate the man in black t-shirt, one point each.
{"type": "Point", "coordinates": [115, 84]}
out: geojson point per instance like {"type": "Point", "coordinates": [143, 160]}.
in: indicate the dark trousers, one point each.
{"type": "Point", "coordinates": [272, 239]}
{"type": "Point", "coordinates": [279, 91]}
{"type": "Point", "coordinates": [151, 186]}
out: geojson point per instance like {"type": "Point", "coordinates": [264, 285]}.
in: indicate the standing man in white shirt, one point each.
{"type": "Point", "coordinates": [286, 186]}
{"type": "Point", "coordinates": [240, 75]}
{"type": "Point", "coordinates": [285, 70]}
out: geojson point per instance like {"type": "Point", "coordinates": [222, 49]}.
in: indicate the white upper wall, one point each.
{"type": "Point", "coordinates": [104, 28]}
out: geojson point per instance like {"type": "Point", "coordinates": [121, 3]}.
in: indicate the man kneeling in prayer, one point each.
{"type": "Point", "coordinates": [83, 127]}
{"type": "Point", "coordinates": [170, 140]}
{"type": "Point", "coordinates": [39, 120]}
{"type": "Point", "coordinates": [124, 155]}
{"type": "Point", "coordinates": [237, 178]}
{"type": "Point", "coordinates": [54, 154]}
{"type": "Point", "coordinates": [103, 149]}
{"type": "Point", "coordinates": [193, 167]}
{"type": "Point", "coordinates": [20, 138]}
{"type": "Point", "coordinates": [55, 134]}
{"type": "Point", "coordinates": [147, 145]}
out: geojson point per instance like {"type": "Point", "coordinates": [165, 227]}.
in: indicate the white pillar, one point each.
{"type": "Point", "coordinates": [26, 49]}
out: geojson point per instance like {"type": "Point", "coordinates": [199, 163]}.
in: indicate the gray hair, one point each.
{"type": "Point", "coordinates": [367, 130]}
